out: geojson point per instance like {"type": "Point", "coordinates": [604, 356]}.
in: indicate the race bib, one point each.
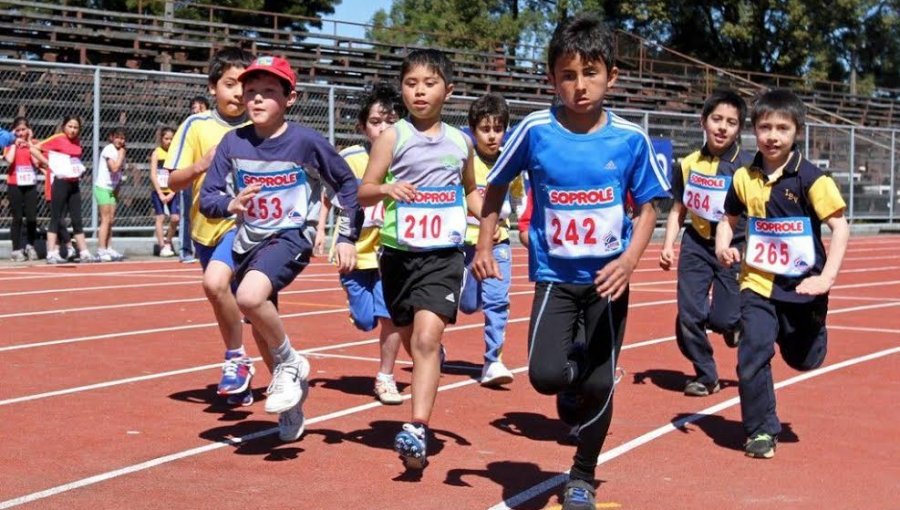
{"type": "Point", "coordinates": [374, 215]}
{"type": "Point", "coordinates": [64, 166]}
{"type": "Point", "coordinates": [162, 178]}
{"type": "Point", "coordinates": [505, 211]}
{"type": "Point", "coordinates": [704, 195]}
{"type": "Point", "coordinates": [435, 219]}
{"type": "Point", "coordinates": [283, 201]}
{"type": "Point", "coordinates": [584, 223]}
{"type": "Point", "coordinates": [782, 246]}
{"type": "Point", "coordinates": [25, 175]}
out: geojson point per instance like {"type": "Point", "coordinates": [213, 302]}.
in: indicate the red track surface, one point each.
{"type": "Point", "coordinates": [107, 401]}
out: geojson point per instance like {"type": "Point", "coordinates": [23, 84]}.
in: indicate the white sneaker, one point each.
{"type": "Point", "coordinates": [166, 251]}
{"type": "Point", "coordinates": [18, 256]}
{"type": "Point", "coordinates": [54, 258]}
{"type": "Point", "coordinates": [286, 389]}
{"type": "Point", "coordinates": [116, 256]}
{"type": "Point", "coordinates": [386, 391]}
{"type": "Point", "coordinates": [31, 253]}
{"type": "Point", "coordinates": [104, 255]}
{"type": "Point", "coordinates": [292, 422]}
{"type": "Point", "coordinates": [495, 373]}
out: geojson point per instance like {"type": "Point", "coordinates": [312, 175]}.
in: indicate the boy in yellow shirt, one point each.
{"type": "Point", "coordinates": [190, 155]}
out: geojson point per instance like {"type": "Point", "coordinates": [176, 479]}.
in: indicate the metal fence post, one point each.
{"type": "Point", "coordinates": [331, 115]}
{"type": "Point", "coordinates": [96, 153]}
{"type": "Point", "coordinates": [893, 197]}
{"type": "Point", "coordinates": [852, 168]}
{"type": "Point", "coordinates": [806, 141]}
{"type": "Point", "coordinates": [647, 123]}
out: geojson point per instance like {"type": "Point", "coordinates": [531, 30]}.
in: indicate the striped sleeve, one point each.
{"type": "Point", "coordinates": [182, 151]}
{"type": "Point", "coordinates": [515, 152]}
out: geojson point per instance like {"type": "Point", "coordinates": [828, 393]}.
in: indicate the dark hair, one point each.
{"type": "Point", "coordinates": [382, 93]}
{"type": "Point", "coordinates": [285, 85]}
{"type": "Point", "coordinates": [725, 96]}
{"type": "Point", "coordinates": [434, 60]}
{"type": "Point", "coordinates": [20, 120]}
{"type": "Point", "coordinates": [66, 120]}
{"type": "Point", "coordinates": [116, 131]}
{"type": "Point", "coordinates": [584, 35]}
{"type": "Point", "coordinates": [225, 59]}
{"type": "Point", "coordinates": [489, 105]}
{"type": "Point", "coordinates": [162, 133]}
{"type": "Point", "coordinates": [200, 99]}
{"type": "Point", "coordinates": [781, 101]}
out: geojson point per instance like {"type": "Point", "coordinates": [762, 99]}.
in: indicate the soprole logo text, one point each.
{"type": "Point", "coordinates": [779, 227]}
{"type": "Point", "coordinates": [707, 181]}
{"type": "Point", "coordinates": [435, 197]}
{"type": "Point", "coordinates": [582, 197]}
{"type": "Point", "coordinates": [287, 179]}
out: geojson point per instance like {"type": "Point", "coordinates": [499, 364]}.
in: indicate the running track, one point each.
{"type": "Point", "coordinates": [107, 401]}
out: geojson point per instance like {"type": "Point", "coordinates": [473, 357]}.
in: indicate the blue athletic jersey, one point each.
{"type": "Point", "coordinates": [579, 182]}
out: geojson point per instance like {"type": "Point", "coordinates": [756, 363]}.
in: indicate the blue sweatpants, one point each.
{"type": "Point", "coordinates": [491, 296]}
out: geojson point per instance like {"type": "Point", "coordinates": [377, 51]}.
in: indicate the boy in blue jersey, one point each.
{"type": "Point", "coordinates": [581, 161]}
{"type": "Point", "coordinates": [700, 184]}
{"type": "Point", "coordinates": [422, 169]}
{"type": "Point", "coordinates": [270, 175]}
{"type": "Point", "coordinates": [785, 275]}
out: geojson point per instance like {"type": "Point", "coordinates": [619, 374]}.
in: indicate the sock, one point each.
{"type": "Point", "coordinates": [284, 353]}
{"type": "Point", "coordinates": [385, 377]}
{"type": "Point", "coordinates": [235, 353]}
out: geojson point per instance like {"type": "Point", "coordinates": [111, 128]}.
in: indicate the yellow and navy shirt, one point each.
{"type": "Point", "coordinates": [802, 189]}
{"type": "Point", "coordinates": [196, 136]}
{"type": "Point", "coordinates": [357, 157]}
{"type": "Point", "coordinates": [704, 162]}
{"type": "Point", "coordinates": [161, 156]}
{"type": "Point", "coordinates": [516, 196]}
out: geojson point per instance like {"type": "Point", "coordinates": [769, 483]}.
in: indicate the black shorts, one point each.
{"type": "Point", "coordinates": [428, 280]}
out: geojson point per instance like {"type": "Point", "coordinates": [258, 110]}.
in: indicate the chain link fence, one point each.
{"type": "Point", "coordinates": [862, 160]}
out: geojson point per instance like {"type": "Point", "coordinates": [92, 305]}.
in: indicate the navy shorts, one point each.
{"type": "Point", "coordinates": [174, 205]}
{"type": "Point", "coordinates": [280, 257]}
{"type": "Point", "coordinates": [430, 280]}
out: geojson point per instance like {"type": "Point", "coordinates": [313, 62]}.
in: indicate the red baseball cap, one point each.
{"type": "Point", "coordinates": [278, 66]}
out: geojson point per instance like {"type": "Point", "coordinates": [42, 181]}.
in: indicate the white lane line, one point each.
{"type": "Point", "coordinates": [310, 351]}
{"type": "Point", "coordinates": [624, 448]}
{"type": "Point", "coordinates": [99, 287]}
{"type": "Point", "coordinates": [149, 303]}
{"type": "Point", "coordinates": [865, 329]}
{"type": "Point", "coordinates": [243, 439]}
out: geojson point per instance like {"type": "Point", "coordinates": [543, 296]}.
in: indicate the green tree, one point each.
{"type": "Point", "coordinates": [819, 39]}
{"type": "Point", "coordinates": [473, 24]}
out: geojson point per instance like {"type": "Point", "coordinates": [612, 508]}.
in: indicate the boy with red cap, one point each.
{"type": "Point", "coordinates": [270, 176]}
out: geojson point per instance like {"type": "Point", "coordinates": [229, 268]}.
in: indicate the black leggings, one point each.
{"type": "Point", "coordinates": [66, 194]}
{"type": "Point", "coordinates": [23, 200]}
{"type": "Point", "coordinates": [551, 369]}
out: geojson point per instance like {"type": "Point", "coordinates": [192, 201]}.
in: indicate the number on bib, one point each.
{"type": "Point", "coordinates": [781, 246]}
{"type": "Point", "coordinates": [263, 208]}
{"type": "Point", "coordinates": [25, 176]}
